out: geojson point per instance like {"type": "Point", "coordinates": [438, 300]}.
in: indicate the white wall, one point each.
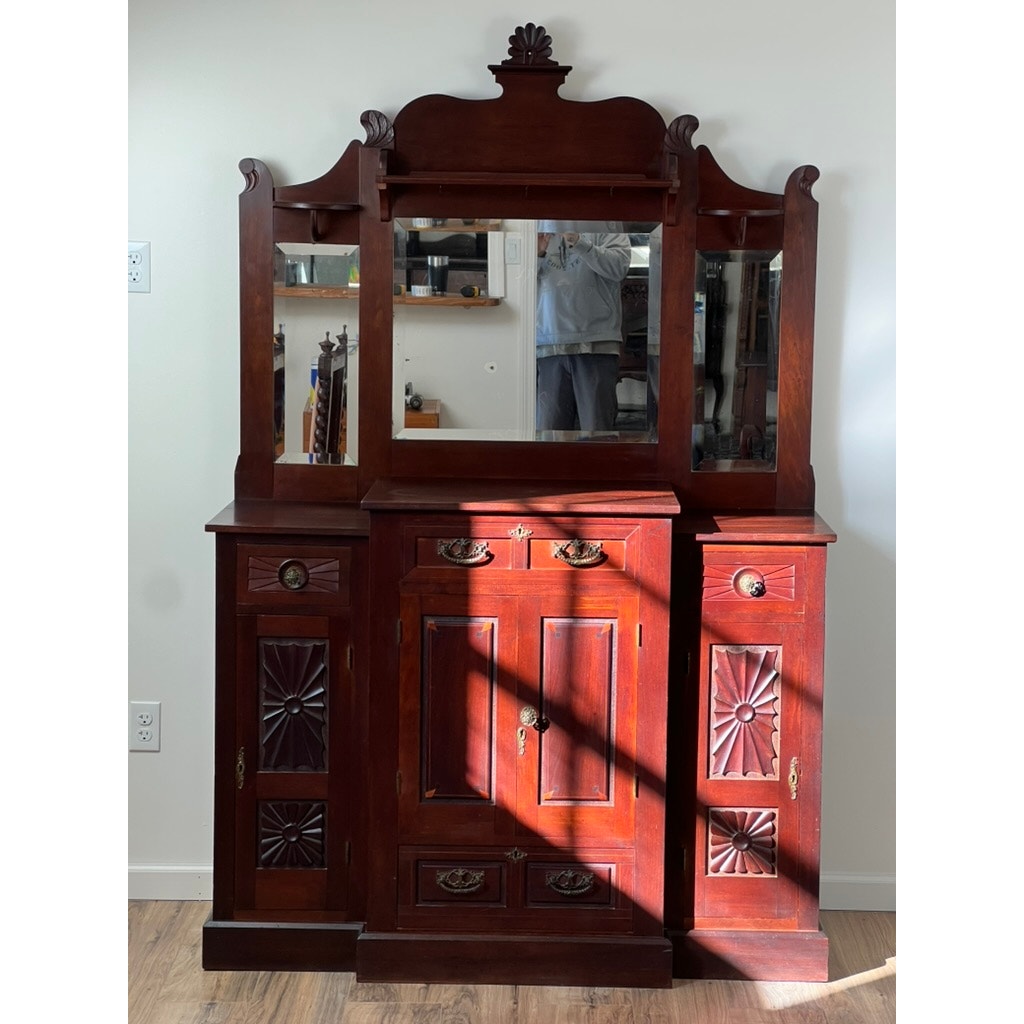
{"type": "Point", "coordinates": [774, 86]}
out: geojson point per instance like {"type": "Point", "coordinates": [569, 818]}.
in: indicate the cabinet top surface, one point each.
{"type": "Point", "coordinates": [290, 517]}
{"type": "Point", "coordinates": [766, 528]}
{"type": "Point", "coordinates": [513, 496]}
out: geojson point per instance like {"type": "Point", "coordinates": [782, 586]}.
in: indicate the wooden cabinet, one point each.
{"type": "Point", "coordinates": [289, 805]}
{"type": "Point", "coordinates": [533, 710]}
{"type": "Point", "coordinates": [752, 828]}
{"type": "Point", "coordinates": [530, 663]}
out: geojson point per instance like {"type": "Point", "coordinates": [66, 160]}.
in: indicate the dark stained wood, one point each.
{"type": "Point", "coordinates": [457, 847]}
{"type": "Point", "coordinates": [480, 496]}
{"type": "Point", "coordinates": [279, 946]}
{"type": "Point", "coordinates": [506, 960]}
{"type": "Point", "coordinates": [273, 517]}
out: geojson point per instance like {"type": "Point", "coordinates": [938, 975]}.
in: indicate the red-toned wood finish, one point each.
{"type": "Point", "coordinates": [289, 817]}
{"type": "Point", "coordinates": [531, 660]}
{"type": "Point", "coordinates": [750, 827]}
{"type": "Point", "coordinates": [528, 153]}
{"type": "Point", "coordinates": [499, 712]}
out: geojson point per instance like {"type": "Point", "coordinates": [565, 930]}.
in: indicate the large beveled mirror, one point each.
{"type": "Point", "coordinates": [523, 330]}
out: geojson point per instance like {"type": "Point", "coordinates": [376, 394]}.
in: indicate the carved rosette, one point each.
{"type": "Point", "coordinates": [293, 705]}
{"type": "Point", "coordinates": [745, 694]}
{"type": "Point", "coordinates": [292, 833]}
{"type": "Point", "coordinates": [742, 842]}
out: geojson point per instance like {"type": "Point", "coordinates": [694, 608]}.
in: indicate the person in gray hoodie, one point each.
{"type": "Point", "coordinates": [579, 324]}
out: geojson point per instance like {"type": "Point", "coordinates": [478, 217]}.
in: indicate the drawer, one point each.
{"type": "Point", "coordinates": [462, 550]}
{"type": "Point", "coordinates": [488, 545]}
{"type": "Point", "coordinates": [576, 552]}
{"type": "Point", "coordinates": [452, 878]}
{"type": "Point", "coordinates": [293, 574]}
{"type": "Point", "coordinates": [759, 578]}
{"type": "Point", "coordinates": [571, 884]}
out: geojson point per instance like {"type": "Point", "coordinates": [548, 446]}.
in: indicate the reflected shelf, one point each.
{"type": "Point", "coordinates": [328, 292]}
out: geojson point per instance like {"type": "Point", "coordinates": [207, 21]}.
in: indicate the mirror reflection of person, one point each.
{"type": "Point", "coordinates": [579, 325]}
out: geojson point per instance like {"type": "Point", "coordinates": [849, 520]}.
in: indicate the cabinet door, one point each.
{"type": "Point", "coordinates": [576, 696]}
{"type": "Point", "coordinates": [457, 712]}
{"type": "Point", "coordinates": [518, 718]}
{"type": "Point", "coordinates": [292, 814]}
{"type": "Point", "coordinates": [748, 870]}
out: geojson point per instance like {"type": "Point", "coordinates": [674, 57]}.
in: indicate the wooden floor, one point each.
{"type": "Point", "coordinates": [167, 985]}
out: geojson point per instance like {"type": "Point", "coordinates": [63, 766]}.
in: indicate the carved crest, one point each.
{"type": "Point", "coordinates": [530, 44]}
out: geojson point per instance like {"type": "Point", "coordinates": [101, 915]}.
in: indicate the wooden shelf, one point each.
{"type": "Point", "coordinates": [315, 291]}
{"type": "Point", "coordinates": [445, 300]}
{"type": "Point", "coordinates": [328, 292]}
{"type": "Point", "coordinates": [452, 226]}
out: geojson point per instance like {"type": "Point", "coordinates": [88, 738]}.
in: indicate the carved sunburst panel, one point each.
{"type": "Point", "coordinates": [264, 575]}
{"type": "Point", "coordinates": [292, 833]}
{"type": "Point", "coordinates": [742, 841]}
{"type": "Point", "coordinates": [720, 582]}
{"type": "Point", "coordinates": [293, 705]}
{"type": "Point", "coordinates": [746, 686]}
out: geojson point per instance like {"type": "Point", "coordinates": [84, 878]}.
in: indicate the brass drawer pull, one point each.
{"type": "Point", "coordinates": [460, 881]}
{"type": "Point", "coordinates": [751, 583]}
{"type": "Point", "coordinates": [463, 551]}
{"type": "Point", "coordinates": [569, 882]}
{"type": "Point", "coordinates": [578, 553]}
{"type": "Point", "coordinates": [293, 574]}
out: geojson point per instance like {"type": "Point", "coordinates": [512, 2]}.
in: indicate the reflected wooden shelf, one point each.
{"type": "Point", "coordinates": [452, 227]}
{"type": "Point", "coordinates": [445, 300]}
{"type": "Point", "coordinates": [315, 291]}
{"type": "Point", "coordinates": [336, 292]}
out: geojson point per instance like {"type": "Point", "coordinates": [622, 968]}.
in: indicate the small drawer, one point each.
{"type": "Point", "coordinates": [297, 574]}
{"type": "Point", "coordinates": [577, 553]}
{"type": "Point", "coordinates": [756, 577]}
{"type": "Point", "coordinates": [451, 552]}
{"type": "Point", "coordinates": [456, 880]}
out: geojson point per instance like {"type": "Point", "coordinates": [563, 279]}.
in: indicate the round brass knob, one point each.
{"type": "Point", "coordinates": [293, 575]}
{"type": "Point", "coordinates": [750, 583]}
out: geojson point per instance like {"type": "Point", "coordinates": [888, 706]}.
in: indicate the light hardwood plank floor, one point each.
{"type": "Point", "coordinates": [167, 985]}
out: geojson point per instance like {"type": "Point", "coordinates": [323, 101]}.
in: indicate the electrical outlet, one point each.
{"type": "Point", "coordinates": [138, 266]}
{"type": "Point", "coordinates": [144, 725]}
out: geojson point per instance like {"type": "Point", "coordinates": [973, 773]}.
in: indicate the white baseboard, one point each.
{"type": "Point", "coordinates": [170, 882]}
{"type": "Point", "coordinates": [839, 891]}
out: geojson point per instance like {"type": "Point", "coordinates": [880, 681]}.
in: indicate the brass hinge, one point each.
{"type": "Point", "coordinates": [348, 851]}
{"type": "Point", "coordinates": [639, 634]}
{"type": "Point", "coordinates": [348, 656]}
{"type": "Point", "coordinates": [398, 632]}
{"type": "Point", "coordinates": [636, 787]}
{"type": "Point", "coordinates": [398, 783]}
